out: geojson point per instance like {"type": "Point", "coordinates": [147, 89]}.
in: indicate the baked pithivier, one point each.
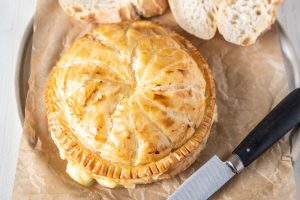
{"type": "Point", "coordinates": [129, 103]}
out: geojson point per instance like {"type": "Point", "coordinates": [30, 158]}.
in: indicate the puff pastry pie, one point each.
{"type": "Point", "coordinates": [129, 103]}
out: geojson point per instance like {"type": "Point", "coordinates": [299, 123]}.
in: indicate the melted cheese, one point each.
{"type": "Point", "coordinates": [112, 184]}
{"type": "Point", "coordinates": [62, 153]}
{"type": "Point", "coordinates": [106, 183]}
{"type": "Point", "coordinates": [78, 174]}
{"type": "Point", "coordinates": [81, 176]}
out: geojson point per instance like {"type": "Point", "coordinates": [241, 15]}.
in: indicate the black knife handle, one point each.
{"type": "Point", "coordinates": [274, 126]}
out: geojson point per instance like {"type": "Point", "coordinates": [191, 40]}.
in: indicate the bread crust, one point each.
{"type": "Point", "coordinates": [239, 21]}
{"type": "Point", "coordinates": [133, 10]}
{"type": "Point", "coordinates": [123, 174]}
{"type": "Point", "coordinates": [242, 30]}
{"type": "Point", "coordinates": [196, 17]}
{"type": "Point", "coordinates": [150, 8]}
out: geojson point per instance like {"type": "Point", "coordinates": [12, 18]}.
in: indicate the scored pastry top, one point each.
{"type": "Point", "coordinates": [128, 94]}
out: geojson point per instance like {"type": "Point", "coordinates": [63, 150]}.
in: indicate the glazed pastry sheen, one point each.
{"type": "Point", "coordinates": [130, 101]}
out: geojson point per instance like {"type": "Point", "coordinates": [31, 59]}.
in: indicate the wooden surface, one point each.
{"type": "Point", "coordinates": [14, 17]}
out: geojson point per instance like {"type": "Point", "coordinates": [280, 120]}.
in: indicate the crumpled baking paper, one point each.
{"type": "Point", "coordinates": [249, 82]}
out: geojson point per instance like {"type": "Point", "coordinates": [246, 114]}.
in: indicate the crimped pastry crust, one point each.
{"type": "Point", "coordinates": [186, 106]}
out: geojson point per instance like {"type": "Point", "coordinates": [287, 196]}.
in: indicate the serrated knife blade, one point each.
{"type": "Point", "coordinates": [215, 173]}
{"type": "Point", "coordinates": [205, 181]}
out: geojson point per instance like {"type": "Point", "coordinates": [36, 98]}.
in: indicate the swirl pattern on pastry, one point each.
{"type": "Point", "coordinates": [129, 95]}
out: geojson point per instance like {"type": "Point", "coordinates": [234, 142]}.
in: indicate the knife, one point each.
{"type": "Point", "coordinates": [215, 172]}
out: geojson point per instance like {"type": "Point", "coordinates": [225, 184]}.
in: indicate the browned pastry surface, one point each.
{"type": "Point", "coordinates": [130, 103]}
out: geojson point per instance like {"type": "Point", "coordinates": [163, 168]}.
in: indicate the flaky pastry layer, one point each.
{"type": "Point", "coordinates": [130, 103]}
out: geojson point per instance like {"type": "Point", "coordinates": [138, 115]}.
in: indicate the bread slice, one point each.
{"type": "Point", "coordinates": [105, 11]}
{"type": "Point", "coordinates": [242, 21]}
{"type": "Point", "coordinates": [197, 17]}
{"type": "Point", "coordinates": [149, 8]}
{"type": "Point", "coordinates": [239, 21]}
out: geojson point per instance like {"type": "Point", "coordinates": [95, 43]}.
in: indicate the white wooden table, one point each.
{"type": "Point", "coordinates": [15, 14]}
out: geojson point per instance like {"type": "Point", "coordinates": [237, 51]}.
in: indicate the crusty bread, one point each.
{"type": "Point", "coordinates": [149, 8]}
{"type": "Point", "coordinates": [239, 21]}
{"type": "Point", "coordinates": [103, 11]}
{"type": "Point", "coordinates": [242, 21]}
{"type": "Point", "coordinates": [197, 17]}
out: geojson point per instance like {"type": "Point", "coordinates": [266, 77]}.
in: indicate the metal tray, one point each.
{"type": "Point", "coordinates": [290, 60]}
{"type": "Point", "coordinates": [23, 69]}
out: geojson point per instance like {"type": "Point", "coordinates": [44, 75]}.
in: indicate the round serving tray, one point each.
{"type": "Point", "coordinates": [290, 60]}
{"type": "Point", "coordinates": [23, 69]}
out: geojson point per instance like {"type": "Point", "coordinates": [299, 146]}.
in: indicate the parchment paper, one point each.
{"type": "Point", "coordinates": [249, 82]}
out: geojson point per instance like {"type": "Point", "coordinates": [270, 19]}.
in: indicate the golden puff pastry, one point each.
{"type": "Point", "coordinates": [130, 103]}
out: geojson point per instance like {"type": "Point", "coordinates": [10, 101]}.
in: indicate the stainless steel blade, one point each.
{"type": "Point", "coordinates": [205, 181]}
